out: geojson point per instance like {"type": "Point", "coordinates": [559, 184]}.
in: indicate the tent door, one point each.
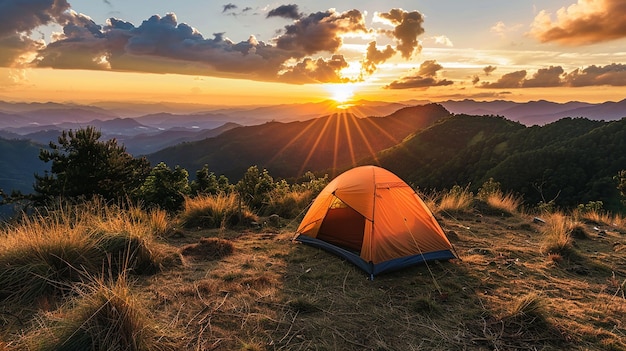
{"type": "Point", "coordinates": [343, 227]}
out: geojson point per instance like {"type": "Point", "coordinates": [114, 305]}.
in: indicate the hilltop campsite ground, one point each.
{"type": "Point", "coordinates": [523, 281]}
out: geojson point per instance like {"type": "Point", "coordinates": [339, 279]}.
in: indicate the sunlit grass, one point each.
{"type": "Point", "coordinates": [601, 217]}
{"type": "Point", "coordinates": [556, 233]}
{"type": "Point", "coordinates": [288, 204]}
{"type": "Point", "coordinates": [45, 253]}
{"type": "Point", "coordinates": [215, 211]}
{"type": "Point", "coordinates": [103, 315]}
{"type": "Point", "coordinates": [456, 199]}
{"type": "Point", "coordinates": [508, 203]}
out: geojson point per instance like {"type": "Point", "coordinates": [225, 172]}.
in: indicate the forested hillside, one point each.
{"type": "Point", "coordinates": [290, 149]}
{"type": "Point", "coordinates": [571, 161]}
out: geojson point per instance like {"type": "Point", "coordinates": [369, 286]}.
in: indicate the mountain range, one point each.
{"type": "Point", "coordinates": [432, 145]}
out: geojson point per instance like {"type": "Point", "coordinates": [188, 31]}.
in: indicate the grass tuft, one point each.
{"type": "Point", "coordinates": [103, 316]}
{"type": "Point", "coordinates": [215, 211]}
{"type": "Point", "coordinates": [556, 234]}
{"type": "Point", "coordinates": [508, 203]}
{"type": "Point", "coordinates": [456, 200]}
{"type": "Point", "coordinates": [46, 253]}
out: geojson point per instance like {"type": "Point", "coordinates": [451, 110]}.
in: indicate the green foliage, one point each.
{"type": "Point", "coordinates": [591, 206]}
{"type": "Point", "coordinates": [255, 187]}
{"type": "Point", "coordinates": [490, 187]}
{"type": "Point", "coordinates": [165, 188]}
{"type": "Point", "coordinates": [621, 182]}
{"type": "Point", "coordinates": [575, 159]}
{"type": "Point", "coordinates": [84, 166]}
{"type": "Point", "coordinates": [207, 182]}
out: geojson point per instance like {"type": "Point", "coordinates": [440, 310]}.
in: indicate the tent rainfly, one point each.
{"type": "Point", "coordinates": [372, 218]}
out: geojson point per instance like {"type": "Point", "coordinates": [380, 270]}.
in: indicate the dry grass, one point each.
{"type": "Point", "coordinates": [288, 204]}
{"type": "Point", "coordinates": [509, 203]}
{"type": "Point", "coordinates": [601, 218]}
{"type": "Point", "coordinates": [270, 293]}
{"type": "Point", "coordinates": [102, 316]}
{"type": "Point", "coordinates": [456, 200]}
{"type": "Point", "coordinates": [556, 233]}
{"type": "Point", "coordinates": [215, 211]}
{"type": "Point", "coordinates": [45, 253]}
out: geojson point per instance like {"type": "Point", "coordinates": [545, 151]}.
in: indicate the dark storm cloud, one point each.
{"type": "Point", "coordinates": [586, 22]}
{"type": "Point", "coordinates": [285, 11]}
{"type": "Point", "coordinates": [408, 26]}
{"type": "Point", "coordinates": [424, 78]}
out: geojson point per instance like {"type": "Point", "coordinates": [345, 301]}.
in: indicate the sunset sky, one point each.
{"type": "Point", "coordinates": [249, 52]}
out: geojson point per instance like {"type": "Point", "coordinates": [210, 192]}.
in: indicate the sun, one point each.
{"type": "Point", "coordinates": [341, 93]}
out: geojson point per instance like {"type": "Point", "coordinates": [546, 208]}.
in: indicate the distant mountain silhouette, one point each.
{"type": "Point", "coordinates": [148, 143]}
{"type": "Point", "coordinates": [289, 149]}
{"type": "Point", "coordinates": [539, 112]}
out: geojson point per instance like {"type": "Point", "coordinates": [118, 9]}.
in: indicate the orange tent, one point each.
{"type": "Point", "coordinates": [371, 217]}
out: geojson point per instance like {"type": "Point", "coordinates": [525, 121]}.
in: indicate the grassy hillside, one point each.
{"type": "Point", "coordinates": [290, 149]}
{"type": "Point", "coordinates": [520, 283]}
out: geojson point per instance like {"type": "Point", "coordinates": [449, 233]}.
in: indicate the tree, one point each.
{"type": "Point", "coordinates": [165, 188]}
{"type": "Point", "coordinates": [83, 166]}
{"type": "Point", "coordinates": [207, 183]}
{"type": "Point", "coordinates": [621, 184]}
{"type": "Point", "coordinates": [255, 187]}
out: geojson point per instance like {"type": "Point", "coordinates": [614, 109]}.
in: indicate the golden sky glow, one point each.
{"type": "Point", "coordinates": [86, 51]}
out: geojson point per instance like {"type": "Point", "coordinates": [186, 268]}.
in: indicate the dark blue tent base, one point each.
{"type": "Point", "coordinates": [382, 267]}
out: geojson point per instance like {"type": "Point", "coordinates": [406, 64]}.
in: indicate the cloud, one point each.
{"type": "Point", "coordinates": [489, 69]}
{"type": "Point", "coordinates": [610, 75]}
{"type": "Point", "coordinates": [375, 57]}
{"type": "Point", "coordinates": [408, 26]}
{"type": "Point", "coordinates": [613, 75]}
{"type": "Point", "coordinates": [285, 11]}
{"type": "Point", "coordinates": [475, 79]}
{"type": "Point", "coordinates": [586, 22]}
{"type": "Point", "coordinates": [443, 40]}
{"type": "Point", "coordinates": [501, 29]}
{"type": "Point", "coordinates": [17, 21]}
{"type": "Point", "coordinates": [424, 78]}
{"type": "Point", "coordinates": [228, 7]}
{"type": "Point", "coordinates": [320, 31]}
{"type": "Point", "coordinates": [545, 77]}
{"type": "Point", "coordinates": [316, 71]}
{"type": "Point", "coordinates": [509, 80]}
{"type": "Point", "coordinates": [162, 44]}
